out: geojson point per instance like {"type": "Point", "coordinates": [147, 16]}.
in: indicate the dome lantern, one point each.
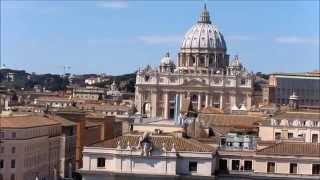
{"type": "Point", "coordinates": [204, 16]}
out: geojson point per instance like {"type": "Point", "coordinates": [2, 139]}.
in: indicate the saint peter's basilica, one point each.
{"type": "Point", "coordinates": [203, 76]}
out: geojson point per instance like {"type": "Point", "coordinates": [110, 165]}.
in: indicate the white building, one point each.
{"type": "Point", "coordinates": [92, 80]}
{"type": "Point", "coordinates": [147, 154]}
{"type": "Point", "coordinates": [202, 74]}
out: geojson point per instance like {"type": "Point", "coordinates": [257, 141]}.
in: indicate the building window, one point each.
{"type": "Point", "coordinates": [193, 166]}
{"type": "Point", "coordinates": [13, 150]}
{"type": "Point", "coordinates": [235, 165]}
{"type": "Point", "coordinates": [293, 168]}
{"type": "Point", "coordinates": [247, 165]}
{"type": "Point", "coordinates": [13, 163]}
{"type": "Point", "coordinates": [12, 177]}
{"type": "Point", "coordinates": [1, 163]}
{"type": "Point", "coordinates": [101, 162]}
{"type": "Point", "coordinates": [14, 135]}
{"type": "Point", "coordinates": [243, 81]}
{"type": "Point", "coordinates": [1, 134]}
{"type": "Point", "coordinates": [290, 135]}
{"type": "Point", "coordinates": [315, 168]}
{"type": "Point", "coordinates": [314, 138]}
{"type": "Point", "coordinates": [271, 167]}
{"type": "Point", "coordinates": [277, 135]}
{"type": "Point", "coordinates": [223, 142]}
{"type": "Point", "coordinates": [223, 165]}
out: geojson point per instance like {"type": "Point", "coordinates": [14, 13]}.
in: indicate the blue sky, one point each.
{"type": "Point", "coordinates": [117, 37]}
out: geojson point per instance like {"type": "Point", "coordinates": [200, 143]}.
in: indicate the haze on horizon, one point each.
{"type": "Point", "coordinates": [117, 37]}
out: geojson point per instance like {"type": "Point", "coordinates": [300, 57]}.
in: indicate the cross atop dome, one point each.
{"type": "Point", "coordinates": [204, 16]}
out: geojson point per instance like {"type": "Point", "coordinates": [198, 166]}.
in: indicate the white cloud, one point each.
{"type": "Point", "coordinates": [114, 4]}
{"type": "Point", "coordinates": [296, 40]}
{"type": "Point", "coordinates": [160, 39]}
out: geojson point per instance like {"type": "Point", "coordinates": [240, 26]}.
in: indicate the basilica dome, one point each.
{"type": "Point", "coordinates": [204, 35]}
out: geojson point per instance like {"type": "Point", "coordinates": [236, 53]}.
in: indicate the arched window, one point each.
{"type": "Point", "coordinates": [194, 98]}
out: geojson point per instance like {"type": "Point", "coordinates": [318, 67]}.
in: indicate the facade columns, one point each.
{"type": "Point", "coordinates": [206, 61]}
{"type": "Point", "coordinates": [221, 101]}
{"type": "Point", "coordinates": [154, 104]}
{"type": "Point", "coordinates": [197, 61]}
{"type": "Point", "coordinates": [139, 100]}
{"type": "Point", "coordinates": [181, 100]}
{"type": "Point", "coordinates": [232, 100]}
{"type": "Point", "coordinates": [248, 102]}
{"type": "Point", "coordinates": [215, 60]}
{"type": "Point", "coordinates": [207, 100]}
{"type": "Point", "coordinates": [211, 101]}
{"type": "Point", "coordinates": [166, 105]}
{"type": "Point", "coordinates": [199, 101]}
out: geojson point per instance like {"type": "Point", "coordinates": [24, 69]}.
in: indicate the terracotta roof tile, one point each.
{"type": "Point", "coordinates": [229, 120]}
{"type": "Point", "coordinates": [181, 144]}
{"type": "Point", "coordinates": [295, 149]}
{"type": "Point", "coordinates": [298, 115]}
{"type": "Point", "coordinates": [25, 121]}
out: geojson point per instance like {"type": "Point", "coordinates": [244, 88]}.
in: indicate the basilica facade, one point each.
{"type": "Point", "coordinates": [203, 76]}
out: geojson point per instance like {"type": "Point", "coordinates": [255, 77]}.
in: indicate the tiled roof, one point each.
{"type": "Point", "coordinates": [25, 121]}
{"type": "Point", "coordinates": [89, 124]}
{"type": "Point", "coordinates": [181, 144]}
{"type": "Point", "coordinates": [54, 98]}
{"type": "Point", "coordinates": [229, 120]}
{"type": "Point", "coordinates": [292, 149]}
{"type": "Point", "coordinates": [71, 109]}
{"type": "Point", "coordinates": [222, 130]}
{"type": "Point", "coordinates": [63, 121]}
{"type": "Point", "coordinates": [298, 115]}
{"type": "Point", "coordinates": [104, 107]}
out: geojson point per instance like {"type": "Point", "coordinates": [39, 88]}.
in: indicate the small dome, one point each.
{"type": "Point", "coordinates": [204, 35]}
{"type": "Point", "coordinates": [166, 59]}
{"type": "Point", "coordinates": [235, 62]}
